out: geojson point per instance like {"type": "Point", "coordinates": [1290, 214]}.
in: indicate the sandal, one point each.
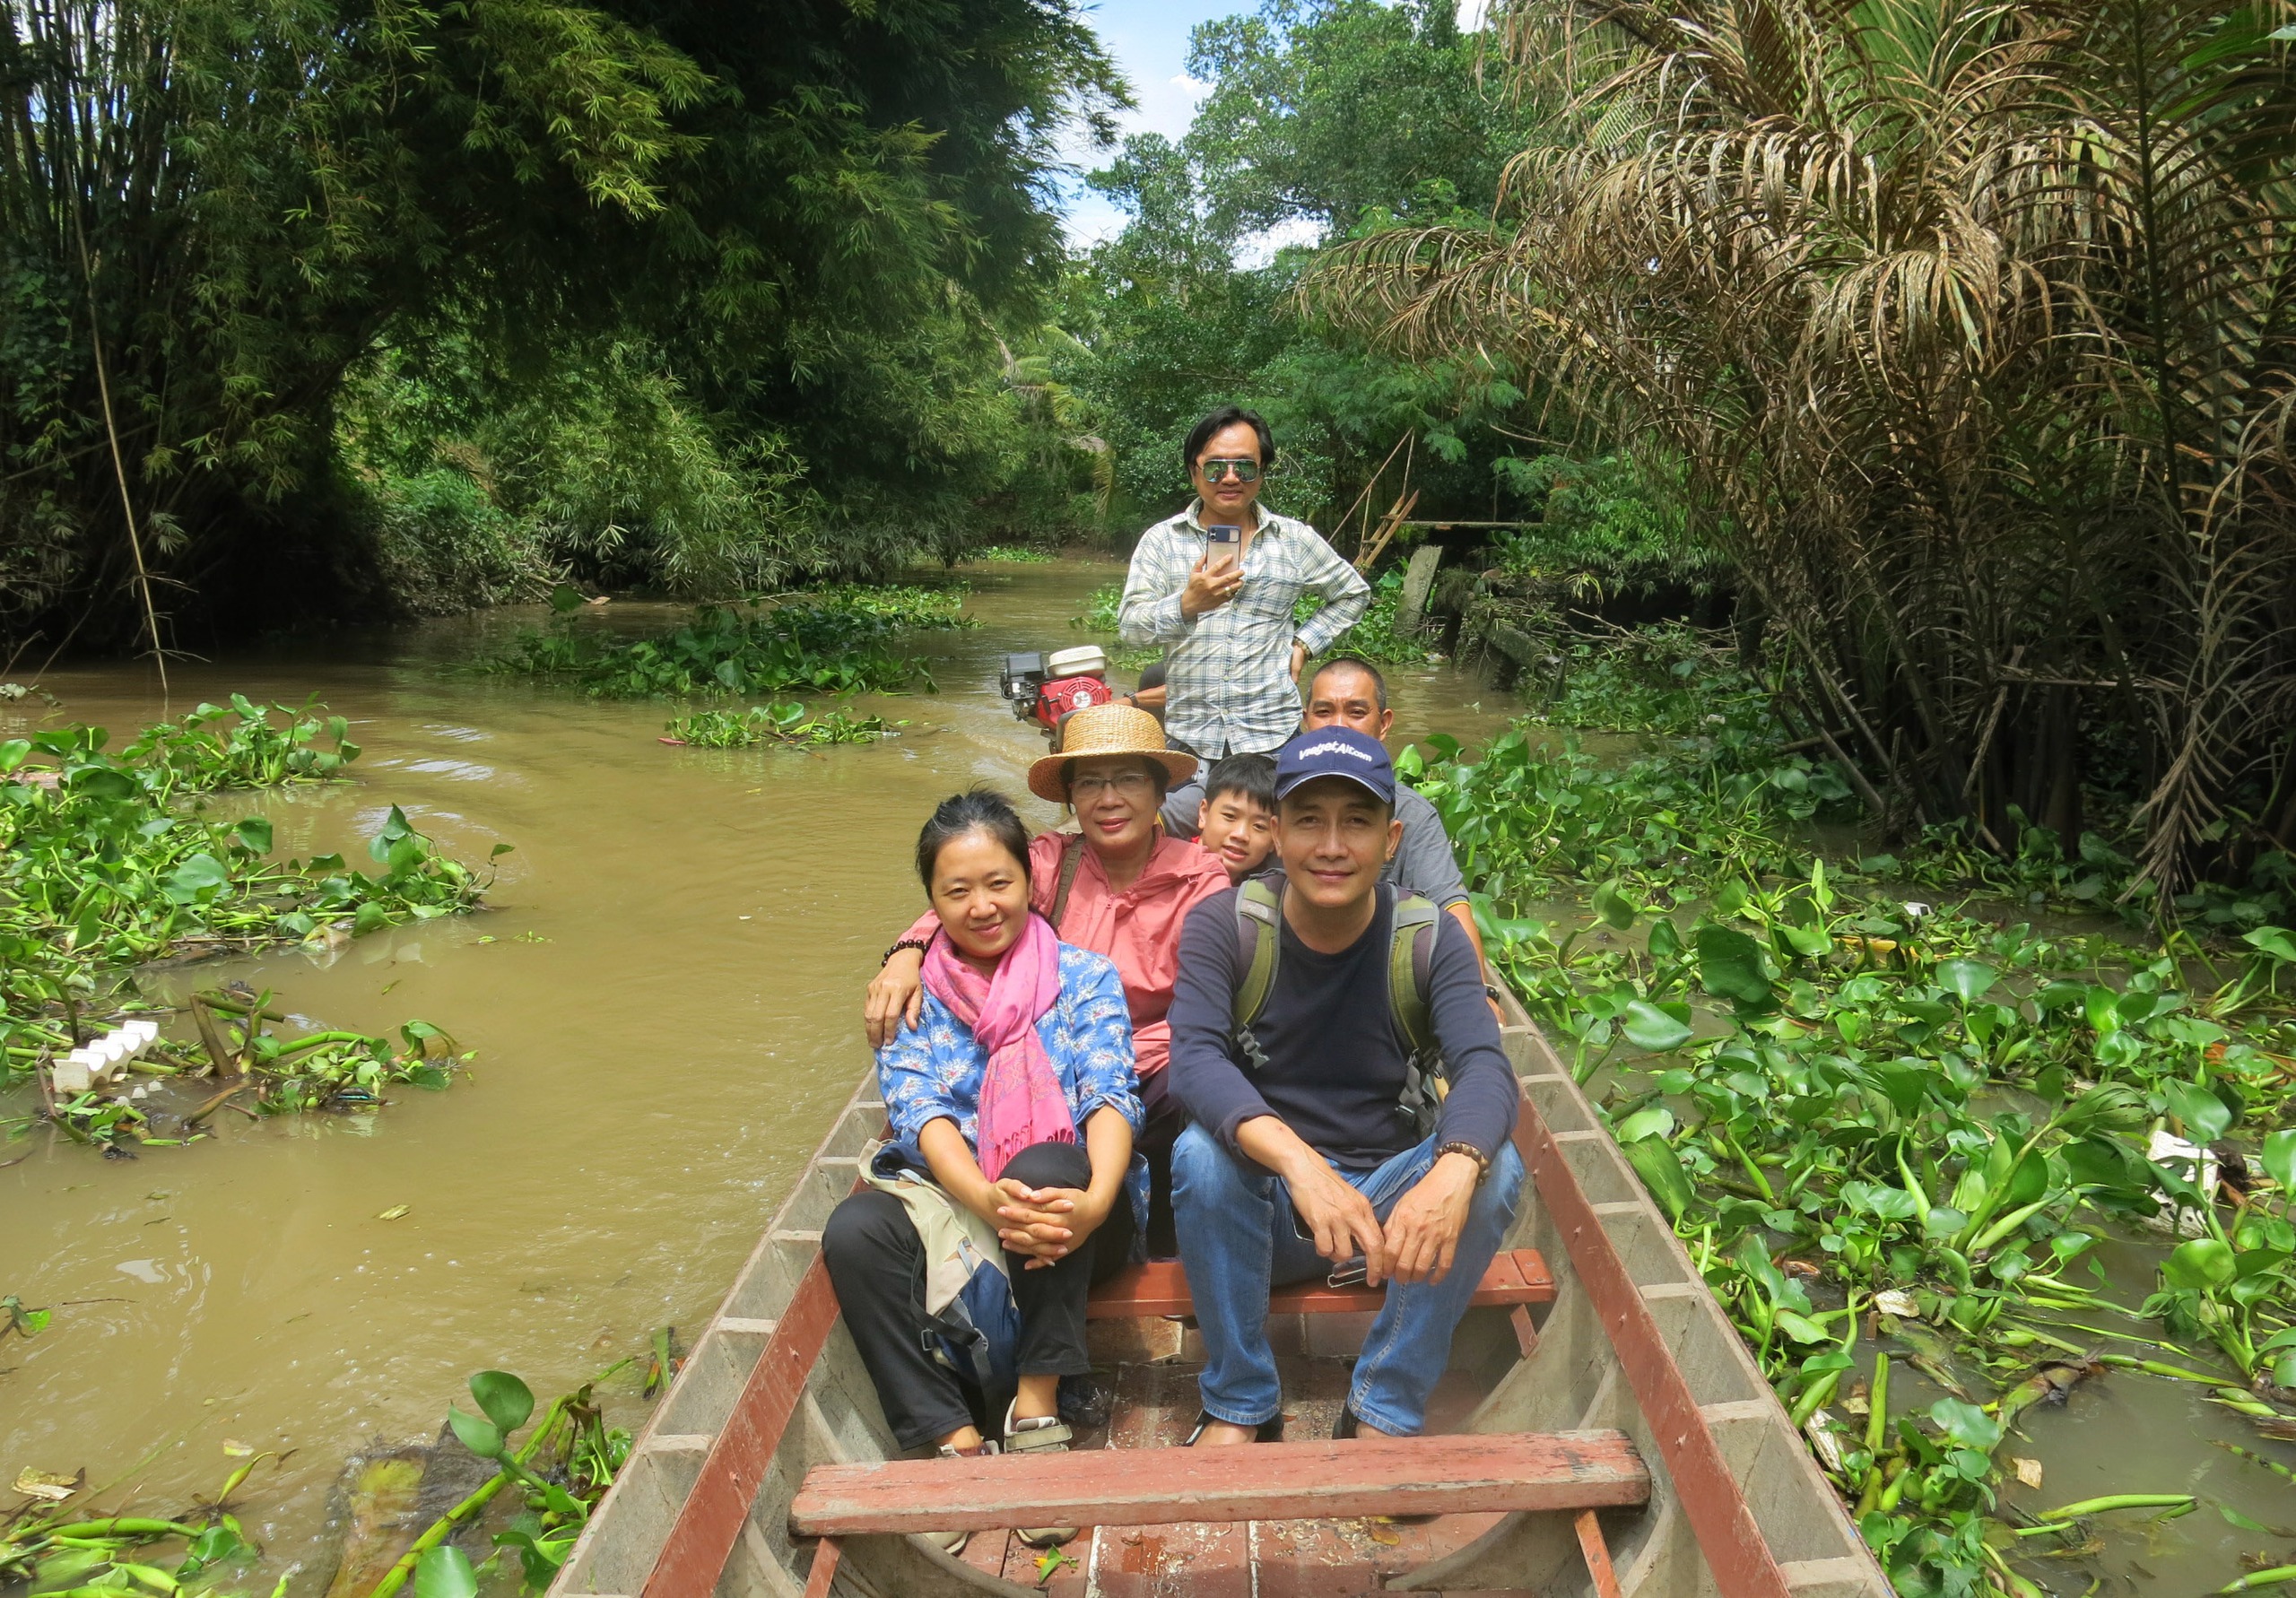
{"type": "Point", "coordinates": [953, 1543]}
{"type": "Point", "coordinates": [1046, 1434]}
{"type": "Point", "coordinates": [1269, 1431]}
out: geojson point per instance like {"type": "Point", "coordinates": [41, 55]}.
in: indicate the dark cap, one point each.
{"type": "Point", "coordinates": [1336, 751]}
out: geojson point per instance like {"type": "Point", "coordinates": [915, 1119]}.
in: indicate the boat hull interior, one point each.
{"type": "Point", "coordinates": [1737, 1506]}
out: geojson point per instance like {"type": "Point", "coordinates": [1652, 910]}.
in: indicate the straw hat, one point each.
{"type": "Point", "coordinates": [1106, 730]}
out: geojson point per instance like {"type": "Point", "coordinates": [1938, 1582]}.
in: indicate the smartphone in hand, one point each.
{"type": "Point", "coordinates": [1223, 543]}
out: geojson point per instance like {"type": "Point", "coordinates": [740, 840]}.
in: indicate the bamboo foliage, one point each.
{"type": "Point", "coordinates": [210, 207]}
{"type": "Point", "coordinates": [1977, 326]}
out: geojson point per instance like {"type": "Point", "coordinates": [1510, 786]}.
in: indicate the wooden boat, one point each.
{"type": "Point", "coordinates": [1602, 1430]}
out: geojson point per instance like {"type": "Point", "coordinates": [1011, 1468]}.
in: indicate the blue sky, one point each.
{"type": "Point", "coordinates": [1149, 40]}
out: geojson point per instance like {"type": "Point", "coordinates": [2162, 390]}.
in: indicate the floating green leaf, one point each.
{"type": "Point", "coordinates": [1968, 980]}
{"type": "Point", "coordinates": [506, 1400]}
{"type": "Point", "coordinates": [1661, 1171]}
{"type": "Point", "coordinates": [481, 1436]}
{"type": "Point", "coordinates": [1614, 907]}
{"type": "Point", "coordinates": [2205, 1119]}
{"type": "Point", "coordinates": [1647, 1027]}
{"type": "Point", "coordinates": [1729, 964]}
{"type": "Point", "coordinates": [2202, 1263]}
{"type": "Point", "coordinates": [445, 1572]}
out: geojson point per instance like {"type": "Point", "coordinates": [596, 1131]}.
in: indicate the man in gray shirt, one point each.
{"type": "Point", "coordinates": [1350, 692]}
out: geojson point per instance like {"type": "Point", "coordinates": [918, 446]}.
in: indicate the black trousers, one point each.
{"type": "Point", "coordinates": [876, 1262]}
{"type": "Point", "coordinates": [1163, 1120]}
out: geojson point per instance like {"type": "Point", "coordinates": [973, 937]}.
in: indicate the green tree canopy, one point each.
{"type": "Point", "coordinates": [213, 214]}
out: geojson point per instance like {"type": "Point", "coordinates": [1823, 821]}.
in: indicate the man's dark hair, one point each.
{"type": "Point", "coordinates": [1227, 416]}
{"type": "Point", "coordinates": [1353, 663]}
{"type": "Point", "coordinates": [1252, 776]}
{"type": "Point", "coordinates": [976, 810]}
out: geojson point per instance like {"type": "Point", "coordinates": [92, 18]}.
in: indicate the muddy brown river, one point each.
{"type": "Point", "coordinates": [663, 994]}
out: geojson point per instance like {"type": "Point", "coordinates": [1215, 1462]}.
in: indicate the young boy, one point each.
{"type": "Point", "coordinates": [1237, 818]}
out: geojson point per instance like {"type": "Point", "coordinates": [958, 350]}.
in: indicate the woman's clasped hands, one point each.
{"type": "Point", "coordinates": [1044, 1224]}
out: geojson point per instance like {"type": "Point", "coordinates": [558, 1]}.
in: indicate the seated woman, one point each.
{"type": "Point", "coordinates": [1016, 1097]}
{"type": "Point", "coordinates": [1118, 887]}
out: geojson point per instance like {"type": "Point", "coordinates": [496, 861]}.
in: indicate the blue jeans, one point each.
{"type": "Point", "coordinates": [1238, 1237]}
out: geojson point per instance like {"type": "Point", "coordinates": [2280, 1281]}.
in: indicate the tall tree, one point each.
{"type": "Point", "coordinates": [1978, 320]}
{"type": "Point", "coordinates": [211, 212]}
{"type": "Point", "coordinates": [1319, 120]}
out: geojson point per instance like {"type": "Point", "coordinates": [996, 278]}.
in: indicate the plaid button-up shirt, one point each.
{"type": "Point", "coordinates": [1228, 673]}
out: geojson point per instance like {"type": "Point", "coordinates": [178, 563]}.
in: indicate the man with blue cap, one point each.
{"type": "Point", "coordinates": [1312, 1145]}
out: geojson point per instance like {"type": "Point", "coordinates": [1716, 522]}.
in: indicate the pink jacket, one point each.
{"type": "Point", "coordinates": [1139, 928]}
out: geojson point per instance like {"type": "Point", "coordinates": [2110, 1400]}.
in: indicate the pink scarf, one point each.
{"type": "Point", "coordinates": [1020, 1100]}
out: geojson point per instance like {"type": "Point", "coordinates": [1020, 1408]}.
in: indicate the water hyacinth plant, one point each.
{"type": "Point", "coordinates": [1894, 1130]}
{"type": "Point", "coordinates": [841, 639]}
{"type": "Point", "coordinates": [108, 863]}
{"type": "Point", "coordinates": [235, 746]}
{"type": "Point", "coordinates": [560, 1470]}
{"type": "Point", "coordinates": [60, 1547]}
{"type": "Point", "coordinates": [785, 724]}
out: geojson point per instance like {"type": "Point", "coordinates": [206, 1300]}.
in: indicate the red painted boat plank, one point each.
{"type": "Point", "coordinates": [830, 1555]}
{"type": "Point", "coordinates": [710, 1519]}
{"type": "Point", "coordinates": [1572, 1469]}
{"type": "Point", "coordinates": [1596, 1551]}
{"type": "Point", "coordinates": [1165, 1561]}
{"type": "Point", "coordinates": [1160, 1287]}
{"type": "Point", "coordinates": [1734, 1546]}
{"type": "Point", "coordinates": [986, 1551]}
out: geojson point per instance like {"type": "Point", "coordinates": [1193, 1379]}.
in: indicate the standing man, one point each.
{"type": "Point", "coordinates": [1301, 1151]}
{"type": "Point", "coordinates": [1223, 619]}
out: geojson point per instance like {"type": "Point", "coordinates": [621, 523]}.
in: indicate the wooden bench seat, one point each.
{"type": "Point", "coordinates": [1160, 1287]}
{"type": "Point", "coordinates": [1474, 1473]}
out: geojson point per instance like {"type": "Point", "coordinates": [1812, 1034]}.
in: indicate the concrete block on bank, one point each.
{"type": "Point", "coordinates": [1418, 582]}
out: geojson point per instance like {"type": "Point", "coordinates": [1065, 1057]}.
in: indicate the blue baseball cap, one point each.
{"type": "Point", "coordinates": [1336, 751]}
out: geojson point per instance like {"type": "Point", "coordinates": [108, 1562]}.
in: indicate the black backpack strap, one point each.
{"type": "Point", "coordinates": [1411, 956]}
{"type": "Point", "coordinates": [1072, 855]}
{"type": "Point", "coordinates": [1260, 905]}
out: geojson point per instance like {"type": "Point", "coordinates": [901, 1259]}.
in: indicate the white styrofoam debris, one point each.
{"type": "Point", "coordinates": [1896, 1301]}
{"type": "Point", "coordinates": [2187, 1159]}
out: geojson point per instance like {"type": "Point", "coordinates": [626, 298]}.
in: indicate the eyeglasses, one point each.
{"type": "Point", "coordinates": [1245, 471]}
{"type": "Point", "coordinates": [1132, 785]}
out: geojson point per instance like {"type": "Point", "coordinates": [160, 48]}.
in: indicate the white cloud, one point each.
{"type": "Point", "coordinates": [1149, 40]}
{"type": "Point", "coordinates": [1259, 248]}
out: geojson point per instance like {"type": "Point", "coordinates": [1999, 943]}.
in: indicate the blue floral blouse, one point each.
{"type": "Point", "coordinates": [933, 1069]}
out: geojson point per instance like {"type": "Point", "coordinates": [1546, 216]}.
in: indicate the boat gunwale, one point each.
{"type": "Point", "coordinates": [1738, 1554]}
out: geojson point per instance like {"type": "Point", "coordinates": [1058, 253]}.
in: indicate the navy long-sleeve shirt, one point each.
{"type": "Point", "coordinates": [1334, 1063]}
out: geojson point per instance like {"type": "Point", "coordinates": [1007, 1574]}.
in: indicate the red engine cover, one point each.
{"type": "Point", "coordinates": [1057, 699]}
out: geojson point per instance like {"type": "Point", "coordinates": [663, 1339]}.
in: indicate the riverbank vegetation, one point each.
{"type": "Point", "coordinates": [839, 639]}
{"type": "Point", "coordinates": [420, 314]}
{"type": "Point", "coordinates": [786, 725]}
{"type": "Point", "coordinates": [1961, 327]}
{"type": "Point", "coordinates": [1894, 1111]}
{"type": "Point", "coordinates": [112, 864]}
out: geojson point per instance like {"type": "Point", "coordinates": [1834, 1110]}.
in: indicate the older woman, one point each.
{"type": "Point", "coordinates": [1012, 1111]}
{"type": "Point", "coordinates": [1118, 886]}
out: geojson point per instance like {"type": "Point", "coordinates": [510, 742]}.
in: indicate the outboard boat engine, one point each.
{"type": "Point", "coordinates": [1042, 688]}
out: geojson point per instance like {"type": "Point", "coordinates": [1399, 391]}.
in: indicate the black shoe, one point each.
{"type": "Point", "coordinates": [1085, 1402]}
{"type": "Point", "coordinates": [1270, 1431]}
